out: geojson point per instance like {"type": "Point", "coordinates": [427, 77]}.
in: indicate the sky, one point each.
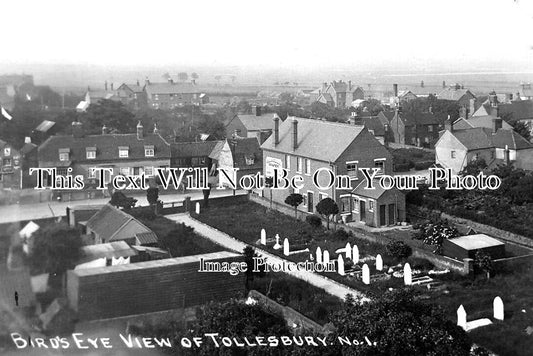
{"type": "Point", "coordinates": [273, 33]}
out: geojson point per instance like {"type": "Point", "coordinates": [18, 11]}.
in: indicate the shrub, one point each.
{"type": "Point", "coordinates": [341, 234]}
{"type": "Point", "coordinates": [423, 165]}
{"type": "Point", "coordinates": [402, 167]}
{"type": "Point", "coordinates": [399, 249]}
{"type": "Point", "coordinates": [314, 221]}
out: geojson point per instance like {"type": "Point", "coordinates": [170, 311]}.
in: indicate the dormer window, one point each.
{"type": "Point", "coordinates": [149, 151]}
{"type": "Point", "coordinates": [123, 151]}
{"type": "Point", "coordinates": [90, 152]}
{"type": "Point", "coordinates": [7, 151]}
{"type": "Point", "coordinates": [250, 160]}
{"type": "Point", "coordinates": [64, 154]}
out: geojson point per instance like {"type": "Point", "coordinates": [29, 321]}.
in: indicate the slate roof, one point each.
{"type": "Point", "coordinates": [45, 126]}
{"type": "Point", "coordinates": [109, 250]}
{"type": "Point", "coordinates": [412, 119]}
{"type": "Point", "coordinates": [27, 148]}
{"type": "Point", "coordinates": [110, 220]}
{"type": "Point", "coordinates": [371, 123]}
{"type": "Point", "coordinates": [134, 87]}
{"type": "Point", "coordinates": [371, 193]}
{"type": "Point", "coordinates": [106, 147]}
{"type": "Point", "coordinates": [146, 238]}
{"type": "Point", "coordinates": [257, 123]}
{"type": "Point", "coordinates": [486, 121]}
{"type": "Point", "coordinates": [247, 147]}
{"type": "Point", "coordinates": [481, 137]}
{"type": "Point", "coordinates": [519, 110]}
{"type": "Point", "coordinates": [317, 139]}
{"type": "Point", "coordinates": [389, 115]}
{"type": "Point", "coordinates": [510, 138]}
{"type": "Point", "coordinates": [474, 242]}
{"type": "Point", "coordinates": [192, 149]}
{"type": "Point", "coordinates": [453, 94]}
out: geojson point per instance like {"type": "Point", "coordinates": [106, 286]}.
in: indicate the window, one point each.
{"type": "Point", "coordinates": [351, 169]}
{"type": "Point", "coordinates": [249, 160]}
{"type": "Point", "coordinates": [288, 162]}
{"type": "Point", "coordinates": [380, 165]}
{"type": "Point", "coordinates": [198, 161]}
{"type": "Point", "coordinates": [123, 152]}
{"type": "Point", "coordinates": [355, 204]}
{"type": "Point", "coordinates": [370, 205]}
{"type": "Point", "coordinates": [124, 171]}
{"type": "Point", "coordinates": [307, 166]}
{"type": "Point", "coordinates": [181, 162]}
{"type": "Point", "coordinates": [64, 156]}
{"type": "Point", "coordinates": [148, 151]}
{"type": "Point", "coordinates": [452, 153]}
{"type": "Point", "coordinates": [7, 151]}
{"type": "Point", "coordinates": [91, 153]}
{"type": "Point", "coordinates": [62, 171]}
{"type": "Point", "coordinates": [149, 171]}
{"type": "Point", "coordinates": [6, 162]}
{"type": "Point", "coordinates": [91, 173]}
{"type": "Point", "coordinates": [299, 165]}
{"type": "Point", "coordinates": [430, 128]}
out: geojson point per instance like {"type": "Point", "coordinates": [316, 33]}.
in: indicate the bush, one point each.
{"type": "Point", "coordinates": [402, 167]}
{"type": "Point", "coordinates": [423, 165]}
{"type": "Point", "coordinates": [314, 221]}
{"type": "Point", "coordinates": [341, 235]}
{"type": "Point", "coordinates": [399, 249]}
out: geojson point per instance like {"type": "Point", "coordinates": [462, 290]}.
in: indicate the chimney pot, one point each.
{"type": "Point", "coordinates": [276, 130]}
{"type": "Point", "coordinates": [77, 129]}
{"type": "Point", "coordinates": [294, 134]}
{"type": "Point", "coordinates": [140, 131]}
{"type": "Point", "coordinates": [27, 139]}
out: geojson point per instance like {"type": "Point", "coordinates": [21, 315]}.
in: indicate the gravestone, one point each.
{"type": "Point", "coordinates": [340, 265]}
{"type": "Point", "coordinates": [326, 257]}
{"type": "Point", "coordinates": [355, 254]}
{"type": "Point", "coordinates": [348, 249]}
{"type": "Point", "coordinates": [461, 317]}
{"type": "Point", "coordinates": [498, 308]}
{"type": "Point", "coordinates": [318, 255]}
{"type": "Point", "coordinates": [286, 247]}
{"type": "Point", "coordinates": [366, 274]}
{"type": "Point", "coordinates": [277, 246]}
{"type": "Point", "coordinates": [197, 208]}
{"type": "Point", "coordinates": [379, 263]}
{"type": "Point", "coordinates": [407, 274]}
{"type": "Point", "coordinates": [263, 237]}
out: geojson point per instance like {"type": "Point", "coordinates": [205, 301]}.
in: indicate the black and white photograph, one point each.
{"type": "Point", "coordinates": [231, 177]}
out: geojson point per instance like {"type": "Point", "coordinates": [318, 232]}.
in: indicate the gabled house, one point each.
{"type": "Point", "coordinates": [132, 95]}
{"type": "Point", "coordinates": [457, 147]}
{"type": "Point", "coordinates": [516, 110]}
{"type": "Point", "coordinates": [256, 125]}
{"type": "Point", "coordinates": [338, 94]}
{"type": "Point", "coordinates": [111, 224]}
{"type": "Point", "coordinates": [124, 154]}
{"type": "Point", "coordinates": [417, 129]}
{"type": "Point", "coordinates": [303, 146]}
{"type": "Point", "coordinates": [458, 94]}
{"type": "Point", "coordinates": [373, 125]}
{"type": "Point", "coordinates": [15, 165]}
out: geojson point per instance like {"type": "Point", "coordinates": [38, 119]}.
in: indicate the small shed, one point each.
{"type": "Point", "coordinates": [467, 246]}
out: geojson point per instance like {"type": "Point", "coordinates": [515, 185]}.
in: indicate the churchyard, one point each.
{"type": "Point", "coordinates": [512, 280]}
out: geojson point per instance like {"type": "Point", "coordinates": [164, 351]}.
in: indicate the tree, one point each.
{"type": "Point", "coordinates": [112, 114]}
{"type": "Point", "coordinates": [180, 241]}
{"type": "Point", "coordinates": [152, 195]}
{"type": "Point", "coordinates": [474, 167]}
{"type": "Point", "coordinates": [183, 76]}
{"type": "Point", "coordinates": [120, 200]}
{"type": "Point", "coordinates": [399, 325]}
{"type": "Point", "coordinates": [399, 249]}
{"type": "Point", "coordinates": [194, 75]}
{"type": "Point", "coordinates": [484, 262]}
{"type": "Point", "coordinates": [522, 129]}
{"type": "Point", "coordinates": [294, 200]}
{"type": "Point", "coordinates": [327, 207]}
{"type": "Point", "coordinates": [56, 248]}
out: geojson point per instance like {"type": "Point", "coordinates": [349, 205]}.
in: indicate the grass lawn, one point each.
{"type": "Point", "coordinates": [513, 283]}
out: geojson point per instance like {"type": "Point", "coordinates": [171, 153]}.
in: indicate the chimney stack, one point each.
{"type": "Point", "coordinates": [276, 129]}
{"type": "Point", "coordinates": [448, 124]}
{"type": "Point", "coordinates": [147, 81]}
{"type": "Point", "coordinates": [171, 81]}
{"type": "Point", "coordinates": [294, 134]}
{"type": "Point", "coordinates": [496, 124]}
{"type": "Point", "coordinates": [111, 86]}
{"type": "Point", "coordinates": [77, 129]}
{"type": "Point", "coordinates": [138, 82]}
{"type": "Point", "coordinates": [156, 130]}
{"type": "Point", "coordinates": [140, 131]}
{"type": "Point", "coordinates": [444, 84]}
{"type": "Point", "coordinates": [193, 81]}
{"type": "Point", "coordinates": [256, 110]}
{"type": "Point", "coordinates": [104, 130]}
{"type": "Point", "coordinates": [463, 112]}
{"type": "Point", "coordinates": [506, 155]}
{"type": "Point", "coordinates": [495, 111]}
{"type": "Point", "coordinates": [27, 139]}
{"type": "Point", "coordinates": [349, 85]}
{"type": "Point", "coordinates": [105, 85]}
{"type": "Point", "coordinates": [395, 90]}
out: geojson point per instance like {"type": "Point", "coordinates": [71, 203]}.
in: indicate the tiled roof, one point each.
{"type": "Point", "coordinates": [474, 242]}
{"type": "Point", "coordinates": [192, 149]}
{"type": "Point", "coordinates": [372, 123]}
{"type": "Point", "coordinates": [27, 148]}
{"type": "Point", "coordinates": [327, 97]}
{"type": "Point", "coordinates": [481, 137]}
{"type": "Point", "coordinates": [146, 238]}
{"type": "Point", "coordinates": [247, 148]}
{"type": "Point", "coordinates": [257, 123]}
{"type": "Point", "coordinates": [411, 119]}
{"type": "Point", "coordinates": [486, 121]}
{"type": "Point", "coordinates": [101, 94]}
{"type": "Point", "coordinates": [321, 140]}
{"type": "Point", "coordinates": [511, 139]}
{"type": "Point", "coordinates": [454, 94]}
{"type": "Point", "coordinates": [370, 193]}
{"type": "Point", "coordinates": [109, 220]}
{"type": "Point", "coordinates": [389, 115]}
{"type": "Point", "coordinates": [45, 126]}
{"type": "Point", "coordinates": [172, 88]}
{"type": "Point", "coordinates": [519, 110]}
{"type": "Point", "coordinates": [106, 147]}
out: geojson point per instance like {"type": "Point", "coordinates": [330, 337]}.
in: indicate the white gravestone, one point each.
{"type": "Point", "coordinates": [355, 254]}
{"type": "Point", "coordinates": [326, 257]}
{"type": "Point", "coordinates": [340, 265]}
{"type": "Point", "coordinates": [366, 274]}
{"type": "Point", "coordinates": [498, 308]}
{"type": "Point", "coordinates": [277, 246]}
{"type": "Point", "coordinates": [379, 263]}
{"type": "Point", "coordinates": [461, 317]}
{"type": "Point", "coordinates": [263, 237]}
{"type": "Point", "coordinates": [197, 208]}
{"type": "Point", "coordinates": [407, 274]}
{"type": "Point", "coordinates": [348, 249]}
{"type": "Point", "coordinates": [286, 247]}
{"type": "Point", "coordinates": [318, 255]}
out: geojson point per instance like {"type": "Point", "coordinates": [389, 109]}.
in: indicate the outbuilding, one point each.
{"type": "Point", "coordinates": [467, 246]}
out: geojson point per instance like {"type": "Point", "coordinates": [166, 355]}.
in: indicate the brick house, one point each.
{"type": "Point", "coordinates": [15, 165]}
{"type": "Point", "coordinates": [132, 95]}
{"type": "Point", "coordinates": [458, 94]}
{"type": "Point", "coordinates": [169, 95]}
{"type": "Point", "coordinates": [242, 153]}
{"type": "Point", "coordinates": [417, 129]}
{"type": "Point", "coordinates": [256, 125]}
{"type": "Point", "coordinates": [303, 146]}
{"type": "Point", "coordinates": [338, 94]}
{"type": "Point", "coordinates": [134, 153]}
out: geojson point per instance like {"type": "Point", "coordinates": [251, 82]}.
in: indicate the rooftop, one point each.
{"type": "Point", "coordinates": [474, 242]}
